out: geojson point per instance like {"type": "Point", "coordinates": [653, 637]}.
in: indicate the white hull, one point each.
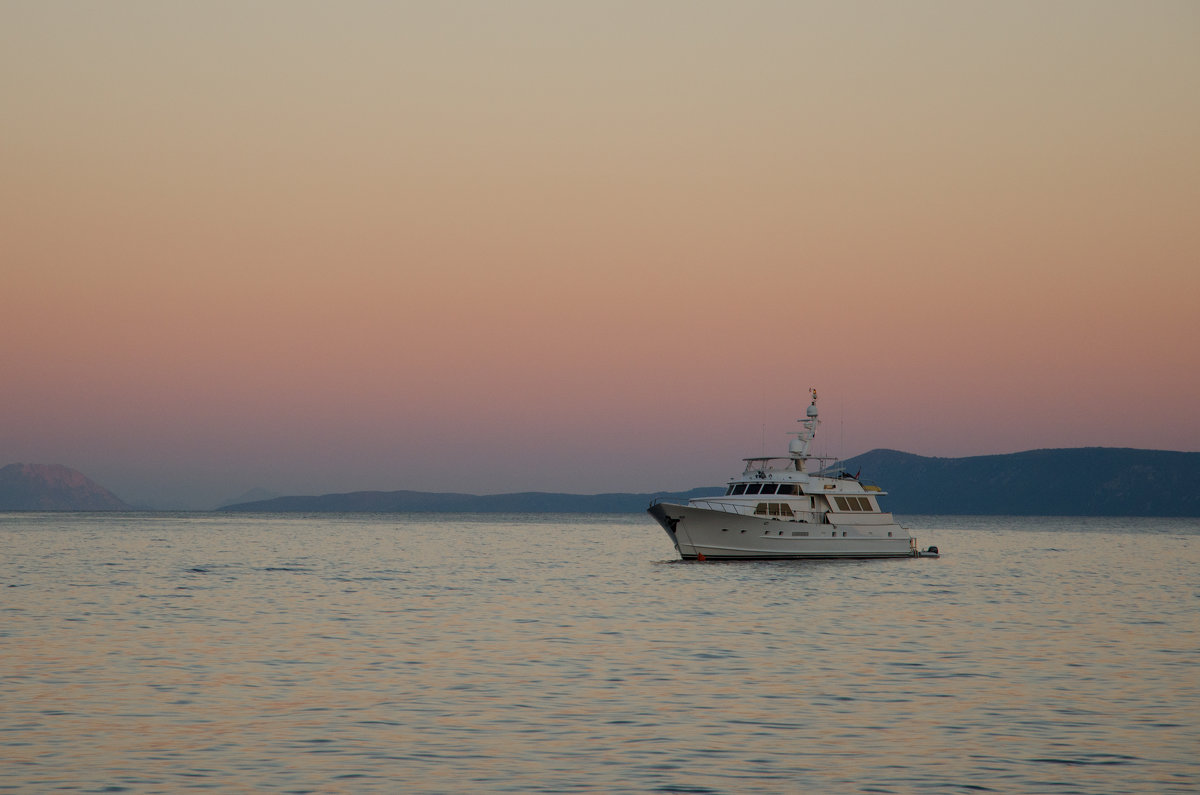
{"type": "Point", "coordinates": [720, 534]}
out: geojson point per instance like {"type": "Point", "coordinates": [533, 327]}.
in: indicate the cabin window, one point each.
{"type": "Point", "coordinates": [789, 488]}
{"type": "Point", "coordinates": [740, 488]}
{"type": "Point", "coordinates": [769, 488]}
{"type": "Point", "coordinates": [753, 488]}
{"type": "Point", "coordinates": [773, 509]}
{"type": "Point", "coordinates": [853, 504]}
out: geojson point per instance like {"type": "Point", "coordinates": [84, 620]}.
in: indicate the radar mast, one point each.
{"type": "Point", "coordinates": [798, 448]}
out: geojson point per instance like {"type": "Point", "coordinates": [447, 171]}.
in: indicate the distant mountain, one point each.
{"type": "Point", "coordinates": [53, 487]}
{"type": "Point", "coordinates": [254, 495]}
{"type": "Point", "coordinates": [423, 501]}
{"type": "Point", "coordinates": [1089, 481]}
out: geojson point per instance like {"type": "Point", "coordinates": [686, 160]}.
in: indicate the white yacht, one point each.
{"type": "Point", "coordinates": [777, 508]}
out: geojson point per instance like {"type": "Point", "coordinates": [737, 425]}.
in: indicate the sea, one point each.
{"type": "Point", "coordinates": [438, 653]}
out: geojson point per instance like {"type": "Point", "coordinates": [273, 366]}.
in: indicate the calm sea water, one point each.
{"type": "Point", "coordinates": [448, 653]}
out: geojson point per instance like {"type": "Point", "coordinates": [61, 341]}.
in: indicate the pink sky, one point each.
{"type": "Point", "coordinates": [588, 247]}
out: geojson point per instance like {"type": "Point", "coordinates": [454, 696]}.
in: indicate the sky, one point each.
{"type": "Point", "coordinates": [486, 247]}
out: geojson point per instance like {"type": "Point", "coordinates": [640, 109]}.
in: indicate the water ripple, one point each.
{"type": "Point", "coordinates": [574, 654]}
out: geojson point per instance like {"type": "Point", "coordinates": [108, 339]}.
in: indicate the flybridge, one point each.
{"type": "Point", "coordinates": [780, 466]}
{"type": "Point", "coordinates": [773, 464]}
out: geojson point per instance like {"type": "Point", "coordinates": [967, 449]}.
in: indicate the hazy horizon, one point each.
{"type": "Point", "coordinates": [595, 247]}
{"type": "Point", "coordinates": [258, 494]}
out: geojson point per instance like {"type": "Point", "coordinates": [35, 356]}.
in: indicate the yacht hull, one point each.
{"type": "Point", "coordinates": [721, 535]}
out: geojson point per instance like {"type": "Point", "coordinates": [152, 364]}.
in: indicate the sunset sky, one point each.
{"type": "Point", "coordinates": [588, 246]}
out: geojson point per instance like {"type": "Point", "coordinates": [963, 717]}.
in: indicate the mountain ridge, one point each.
{"type": "Point", "coordinates": [405, 501]}
{"type": "Point", "coordinates": [1087, 481]}
{"type": "Point", "coordinates": [53, 487]}
{"type": "Point", "coordinates": [1081, 481]}
{"type": "Point", "coordinates": [1078, 481]}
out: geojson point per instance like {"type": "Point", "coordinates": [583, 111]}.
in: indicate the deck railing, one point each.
{"type": "Point", "coordinates": [744, 510]}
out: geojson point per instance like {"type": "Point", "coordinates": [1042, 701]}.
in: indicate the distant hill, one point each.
{"type": "Point", "coordinates": [423, 501]}
{"type": "Point", "coordinates": [53, 487]}
{"type": "Point", "coordinates": [254, 495]}
{"type": "Point", "coordinates": [1089, 481]}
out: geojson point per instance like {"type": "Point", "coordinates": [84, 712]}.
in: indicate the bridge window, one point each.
{"type": "Point", "coordinates": [739, 488]}
{"type": "Point", "coordinates": [753, 488]}
{"type": "Point", "coordinates": [769, 488]}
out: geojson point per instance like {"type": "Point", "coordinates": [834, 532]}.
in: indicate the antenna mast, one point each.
{"type": "Point", "coordinates": [799, 446]}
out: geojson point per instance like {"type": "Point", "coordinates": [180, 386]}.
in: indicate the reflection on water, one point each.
{"type": "Point", "coordinates": [466, 653]}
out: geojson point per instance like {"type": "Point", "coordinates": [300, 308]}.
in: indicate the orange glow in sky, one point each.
{"type": "Point", "coordinates": [588, 247]}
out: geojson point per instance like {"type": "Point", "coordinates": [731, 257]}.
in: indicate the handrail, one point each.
{"type": "Point", "coordinates": [723, 506]}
